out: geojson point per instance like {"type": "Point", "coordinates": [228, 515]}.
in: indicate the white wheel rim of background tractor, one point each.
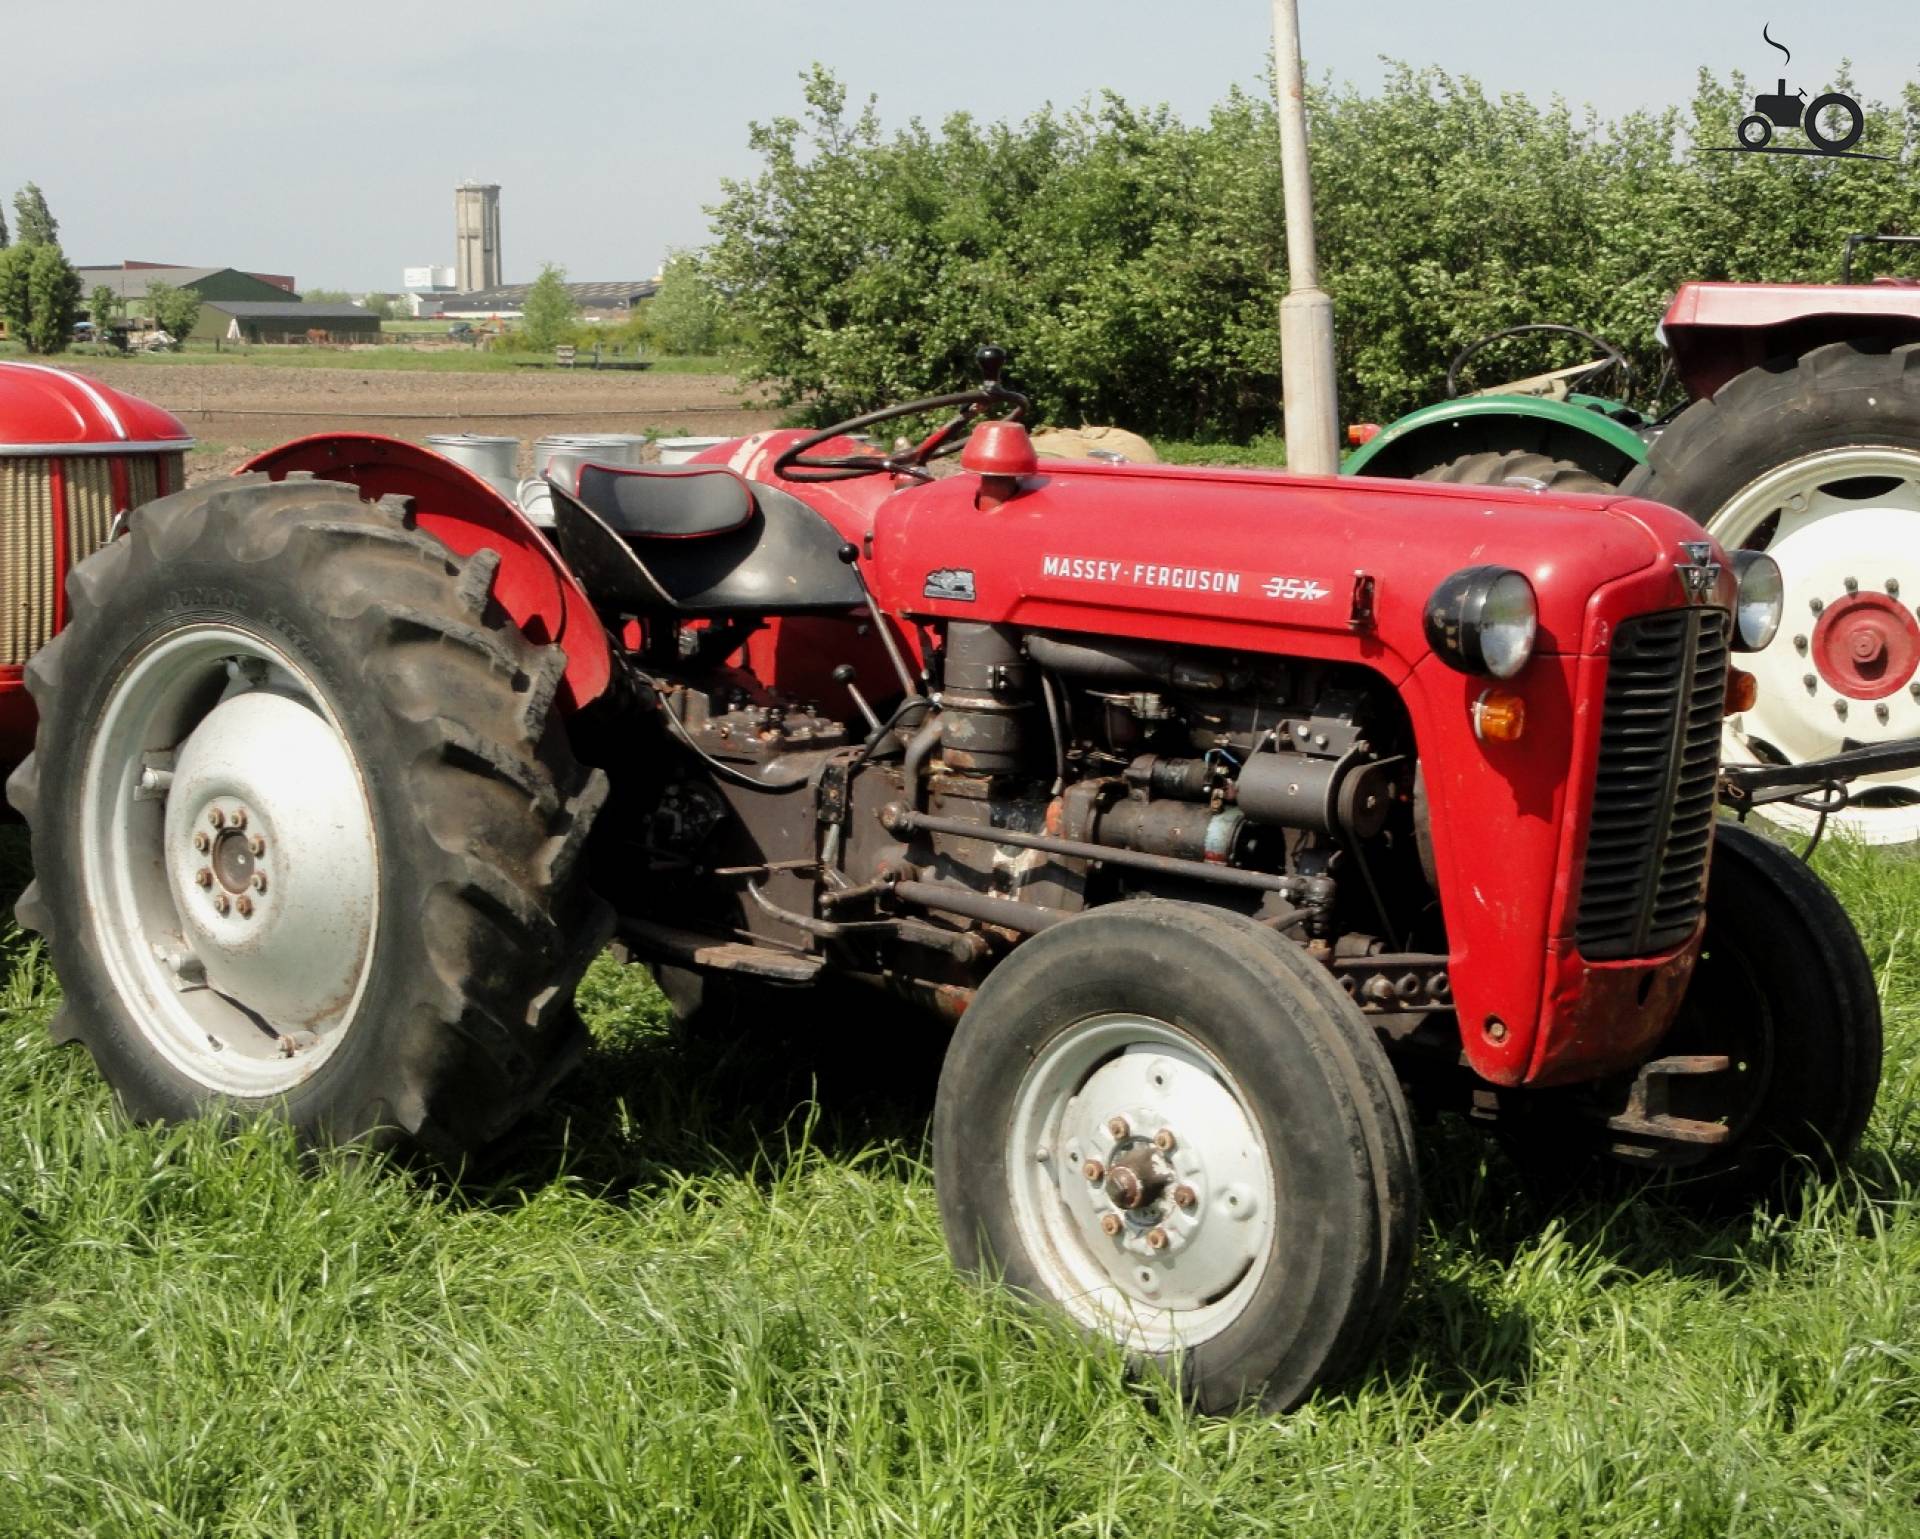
{"type": "Point", "coordinates": [1820, 541]}
{"type": "Point", "coordinates": [1215, 1252]}
{"type": "Point", "coordinates": [246, 1004]}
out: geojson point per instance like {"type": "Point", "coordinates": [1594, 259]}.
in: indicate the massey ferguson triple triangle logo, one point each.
{"type": "Point", "coordinates": [1699, 573]}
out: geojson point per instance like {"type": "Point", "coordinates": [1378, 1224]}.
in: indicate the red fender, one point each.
{"type": "Point", "coordinates": [462, 511]}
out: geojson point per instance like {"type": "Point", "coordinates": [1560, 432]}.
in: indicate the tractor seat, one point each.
{"type": "Point", "coordinates": [698, 540]}
{"type": "Point", "coordinates": [666, 502]}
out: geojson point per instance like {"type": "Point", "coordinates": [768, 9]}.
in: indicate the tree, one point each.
{"type": "Point", "coordinates": [548, 314]}
{"type": "Point", "coordinates": [686, 316]}
{"type": "Point", "coordinates": [15, 307]}
{"type": "Point", "coordinates": [5, 239]}
{"type": "Point", "coordinates": [53, 299]}
{"type": "Point", "coordinates": [37, 226]}
{"type": "Point", "coordinates": [101, 305]}
{"type": "Point", "coordinates": [174, 310]}
{"type": "Point", "coordinates": [327, 297]}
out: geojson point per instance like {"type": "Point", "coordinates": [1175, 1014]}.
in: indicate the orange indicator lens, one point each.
{"type": "Point", "coordinates": [1499, 716]}
{"type": "Point", "coordinates": [1743, 689]}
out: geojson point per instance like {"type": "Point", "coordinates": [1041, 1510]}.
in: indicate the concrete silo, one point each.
{"type": "Point", "coordinates": [476, 236]}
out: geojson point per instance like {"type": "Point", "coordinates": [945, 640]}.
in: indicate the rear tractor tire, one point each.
{"type": "Point", "coordinates": [1167, 1122]}
{"type": "Point", "coordinates": [307, 832]}
{"type": "Point", "coordinates": [1531, 472]}
{"type": "Point", "coordinates": [1816, 460]}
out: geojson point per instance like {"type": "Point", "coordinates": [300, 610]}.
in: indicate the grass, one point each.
{"type": "Point", "coordinates": [1268, 449]}
{"type": "Point", "coordinates": [707, 1295]}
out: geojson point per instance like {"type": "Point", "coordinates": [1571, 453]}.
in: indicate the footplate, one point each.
{"type": "Point", "coordinates": [1647, 1115]}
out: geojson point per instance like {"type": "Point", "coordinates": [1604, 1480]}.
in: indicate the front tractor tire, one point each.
{"type": "Point", "coordinates": [306, 828]}
{"type": "Point", "coordinates": [1815, 459]}
{"type": "Point", "coordinates": [1784, 994]}
{"type": "Point", "coordinates": [1166, 1121]}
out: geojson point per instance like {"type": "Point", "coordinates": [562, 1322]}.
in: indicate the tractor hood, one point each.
{"type": "Point", "coordinates": [1252, 561]}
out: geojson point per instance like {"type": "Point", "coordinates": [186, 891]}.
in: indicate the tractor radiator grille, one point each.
{"type": "Point", "coordinates": [90, 506]}
{"type": "Point", "coordinates": [29, 571]}
{"type": "Point", "coordinates": [27, 574]}
{"type": "Point", "coordinates": [1654, 792]}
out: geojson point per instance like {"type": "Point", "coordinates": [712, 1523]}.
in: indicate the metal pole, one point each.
{"type": "Point", "coordinates": [1306, 314]}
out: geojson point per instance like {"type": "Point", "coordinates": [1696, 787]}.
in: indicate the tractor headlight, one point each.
{"type": "Point", "coordinates": [1482, 620]}
{"type": "Point", "coordinates": [1758, 604]}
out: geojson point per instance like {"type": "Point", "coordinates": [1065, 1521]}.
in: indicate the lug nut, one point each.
{"type": "Point", "coordinates": [219, 902]}
{"type": "Point", "coordinates": [245, 905]}
{"type": "Point", "coordinates": [1816, 605]}
{"type": "Point", "coordinates": [239, 818]}
{"type": "Point", "coordinates": [1156, 1239]}
{"type": "Point", "coordinates": [201, 842]}
{"type": "Point", "coordinates": [1811, 682]}
{"type": "Point", "coordinates": [1800, 644]}
{"type": "Point", "coordinates": [1185, 1197]}
{"type": "Point", "coordinates": [203, 877]}
{"type": "Point", "coordinates": [216, 817]}
{"type": "Point", "coordinates": [259, 881]}
{"type": "Point", "coordinates": [1093, 1170]}
{"type": "Point", "coordinates": [1119, 1127]}
{"type": "Point", "coordinates": [257, 845]}
{"type": "Point", "coordinates": [1880, 714]}
{"type": "Point", "coordinates": [1852, 584]}
{"type": "Point", "coordinates": [1840, 709]}
{"type": "Point", "coordinates": [1111, 1223]}
{"type": "Point", "coordinates": [1893, 587]}
{"type": "Point", "coordinates": [1163, 1140]}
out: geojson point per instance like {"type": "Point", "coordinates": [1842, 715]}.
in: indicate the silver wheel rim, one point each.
{"type": "Point", "coordinates": [1844, 526]}
{"type": "Point", "coordinates": [229, 864]}
{"type": "Point", "coordinates": [1134, 1095]}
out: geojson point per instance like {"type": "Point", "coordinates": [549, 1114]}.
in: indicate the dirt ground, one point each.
{"type": "Point", "coordinates": [235, 412]}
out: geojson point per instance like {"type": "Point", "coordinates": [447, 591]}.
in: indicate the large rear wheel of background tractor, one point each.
{"type": "Point", "coordinates": [1167, 1122]}
{"type": "Point", "coordinates": [1521, 468]}
{"type": "Point", "coordinates": [306, 829]}
{"type": "Point", "coordinates": [1816, 460]}
{"type": "Point", "coordinates": [1784, 994]}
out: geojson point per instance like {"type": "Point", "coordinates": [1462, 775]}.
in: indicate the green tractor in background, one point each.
{"type": "Point", "coordinates": [1800, 436]}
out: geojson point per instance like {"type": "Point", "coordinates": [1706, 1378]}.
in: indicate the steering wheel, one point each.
{"type": "Point", "coordinates": [797, 463]}
{"type": "Point", "coordinates": [1615, 359]}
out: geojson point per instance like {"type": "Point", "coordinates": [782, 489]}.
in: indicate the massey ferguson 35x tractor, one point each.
{"type": "Point", "coordinates": [1218, 813]}
{"type": "Point", "coordinates": [1801, 438]}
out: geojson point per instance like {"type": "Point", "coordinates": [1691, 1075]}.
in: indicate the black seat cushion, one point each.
{"type": "Point", "coordinates": [665, 502]}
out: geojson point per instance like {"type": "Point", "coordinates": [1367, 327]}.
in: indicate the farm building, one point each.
{"type": "Point", "coordinates": [250, 320]}
{"type": "Point", "coordinates": [129, 280]}
{"type": "Point", "coordinates": [506, 301]}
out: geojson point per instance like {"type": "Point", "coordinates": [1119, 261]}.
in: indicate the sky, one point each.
{"type": "Point", "coordinates": [324, 141]}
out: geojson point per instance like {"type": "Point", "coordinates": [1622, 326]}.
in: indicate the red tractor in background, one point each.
{"type": "Point", "coordinates": [1221, 816]}
{"type": "Point", "coordinates": [75, 455]}
{"type": "Point", "coordinates": [1801, 438]}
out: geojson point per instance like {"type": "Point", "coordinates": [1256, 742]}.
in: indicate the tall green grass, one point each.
{"type": "Point", "coordinates": [706, 1294]}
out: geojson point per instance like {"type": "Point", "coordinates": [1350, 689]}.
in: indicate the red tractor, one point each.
{"type": "Point", "coordinates": [1220, 815]}
{"type": "Point", "coordinates": [75, 455]}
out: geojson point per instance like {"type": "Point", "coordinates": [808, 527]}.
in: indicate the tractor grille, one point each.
{"type": "Point", "coordinates": [27, 574]}
{"type": "Point", "coordinates": [29, 569]}
{"type": "Point", "coordinates": [1654, 791]}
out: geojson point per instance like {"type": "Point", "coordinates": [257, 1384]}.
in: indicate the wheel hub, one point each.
{"type": "Point", "coordinates": [230, 857]}
{"type": "Point", "coordinates": [1866, 645]}
{"type": "Point", "coordinates": [1146, 1186]}
{"type": "Point", "coordinates": [284, 922]}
